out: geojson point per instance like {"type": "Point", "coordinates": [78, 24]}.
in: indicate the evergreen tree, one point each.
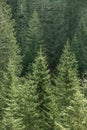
{"type": "Point", "coordinates": [21, 23]}
{"type": "Point", "coordinates": [33, 40]}
{"type": "Point", "coordinates": [72, 17]}
{"type": "Point", "coordinates": [8, 51]}
{"type": "Point", "coordinates": [13, 5]}
{"type": "Point", "coordinates": [42, 92]}
{"type": "Point", "coordinates": [26, 104]}
{"type": "Point", "coordinates": [84, 86]}
{"type": "Point", "coordinates": [79, 46]}
{"type": "Point", "coordinates": [71, 102]}
{"type": "Point", "coordinates": [12, 119]}
{"type": "Point", "coordinates": [8, 47]}
{"type": "Point", "coordinates": [54, 29]}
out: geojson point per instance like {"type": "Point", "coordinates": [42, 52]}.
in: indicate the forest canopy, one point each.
{"type": "Point", "coordinates": [43, 64]}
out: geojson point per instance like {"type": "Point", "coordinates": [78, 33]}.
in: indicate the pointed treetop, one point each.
{"type": "Point", "coordinates": [68, 58]}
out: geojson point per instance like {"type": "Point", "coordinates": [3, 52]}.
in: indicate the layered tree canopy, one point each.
{"type": "Point", "coordinates": [43, 65]}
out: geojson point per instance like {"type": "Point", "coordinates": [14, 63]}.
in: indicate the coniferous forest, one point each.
{"type": "Point", "coordinates": [43, 64]}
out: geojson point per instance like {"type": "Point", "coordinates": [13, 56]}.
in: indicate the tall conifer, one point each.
{"type": "Point", "coordinates": [9, 54]}
{"type": "Point", "coordinates": [42, 92]}
{"type": "Point", "coordinates": [21, 23]}
{"type": "Point", "coordinates": [79, 47]}
{"type": "Point", "coordinates": [71, 102]}
{"type": "Point", "coordinates": [33, 40]}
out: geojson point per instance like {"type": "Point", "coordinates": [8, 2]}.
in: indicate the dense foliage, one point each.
{"type": "Point", "coordinates": [43, 65]}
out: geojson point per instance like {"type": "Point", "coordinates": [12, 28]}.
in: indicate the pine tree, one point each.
{"type": "Point", "coordinates": [71, 102]}
{"type": "Point", "coordinates": [33, 40]}
{"type": "Point", "coordinates": [42, 92]}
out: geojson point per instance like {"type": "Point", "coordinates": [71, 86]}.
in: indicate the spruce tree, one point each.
{"type": "Point", "coordinates": [71, 101]}
{"type": "Point", "coordinates": [54, 29]}
{"type": "Point", "coordinates": [26, 102]}
{"type": "Point", "coordinates": [9, 53]}
{"type": "Point", "coordinates": [42, 92]}
{"type": "Point", "coordinates": [72, 11]}
{"type": "Point", "coordinates": [79, 46]}
{"type": "Point", "coordinates": [12, 118]}
{"type": "Point", "coordinates": [21, 23]}
{"type": "Point", "coordinates": [34, 39]}
{"type": "Point", "coordinates": [8, 47]}
{"type": "Point", "coordinates": [13, 5]}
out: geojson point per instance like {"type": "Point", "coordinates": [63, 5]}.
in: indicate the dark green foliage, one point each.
{"type": "Point", "coordinates": [52, 18]}
{"type": "Point", "coordinates": [13, 5]}
{"type": "Point", "coordinates": [21, 23]}
{"type": "Point", "coordinates": [79, 45]}
{"type": "Point", "coordinates": [71, 102]}
{"type": "Point", "coordinates": [35, 101]}
{"type": "Point", "coordinates": [72, 17]}
{"type": "Point", "coordinates": [59, 20]}
{"type": "Point", "coordinates": [34, 39]}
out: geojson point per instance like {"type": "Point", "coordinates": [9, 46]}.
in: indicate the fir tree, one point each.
{"type": "Point", "coordinates": [71, 102]}
{"type": "Point", "coordinates": [21, 23]}
{"type": "Point", "coordinates": [26, 102]}
{"type": "Point", "coordinates": [33, 40]}
{"type": "Point", "coordinates": [13, 5]}
{"type": "Point", "coordinates": [79, 46]}
{"type": "Point", "coordinates": [54, 29]}
{"type": "Point", "coordinates": [12, 119]}
{"type": "Point", "coordinates": [72, 11]}
{"type": "Point", "coordinates": [8, 46]}
{"type": "Point", "coordinates": [9, 51]}
{"type": "Point", "coordinates": [42, 92]}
